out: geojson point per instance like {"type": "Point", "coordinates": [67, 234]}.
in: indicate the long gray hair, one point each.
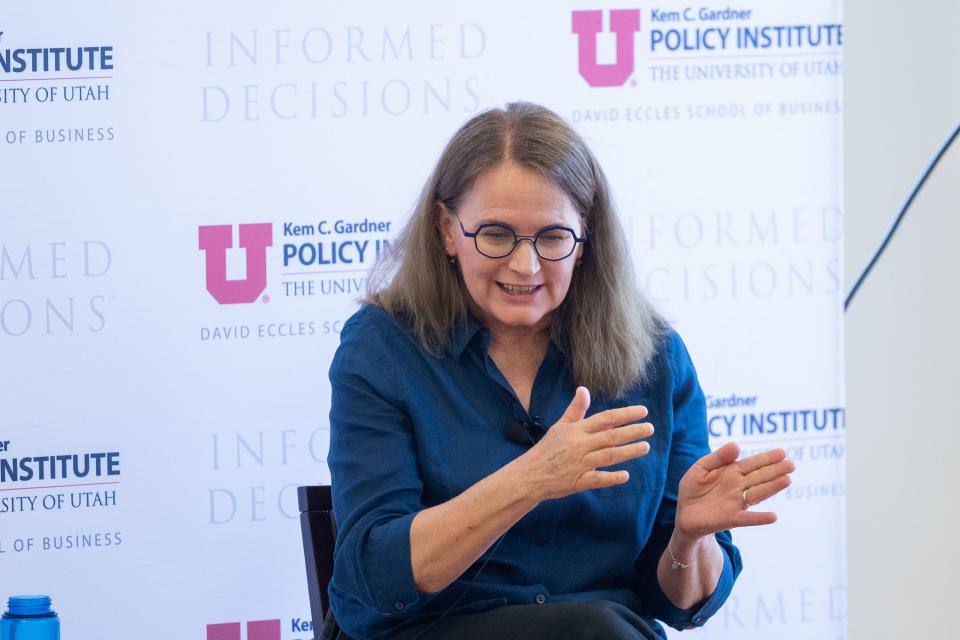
{"type": "Point", "coordinates": [605, 326]}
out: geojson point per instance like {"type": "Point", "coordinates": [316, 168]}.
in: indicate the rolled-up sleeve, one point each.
{"type": "Point", "coordinates": [689, 443]}
{"type": "Point", "coordinates": [377, 489]}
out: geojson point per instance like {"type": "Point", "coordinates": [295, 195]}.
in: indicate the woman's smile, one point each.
{"type": "Point", "coordinates": [519, 291]}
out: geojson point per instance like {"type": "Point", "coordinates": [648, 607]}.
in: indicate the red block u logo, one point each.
{"type": "Point", "coordinates": [587, 24]}
{"type": "Point", "coordinates": [256, 630]}
{"type": "Point", "coordinates": [215, 240]}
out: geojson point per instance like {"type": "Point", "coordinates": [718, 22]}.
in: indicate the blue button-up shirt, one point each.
{"type": "Point", "coordinates": [410, 430]}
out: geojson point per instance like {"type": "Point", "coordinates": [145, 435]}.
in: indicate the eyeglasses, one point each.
{"type": "Point", "coordinates": [496, 240]}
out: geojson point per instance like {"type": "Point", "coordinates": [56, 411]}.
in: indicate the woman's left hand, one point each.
{"type": "Point", "coordinates": [717, 491]}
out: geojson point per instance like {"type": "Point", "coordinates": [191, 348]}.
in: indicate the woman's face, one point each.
{"type": "Point", "coordinates": [521, 290]}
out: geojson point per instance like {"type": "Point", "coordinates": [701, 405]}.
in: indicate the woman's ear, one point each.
{"type": "Point", "coordinates": [444, 222]}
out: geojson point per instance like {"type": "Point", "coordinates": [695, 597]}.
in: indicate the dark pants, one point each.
{"type": "Point", "coordinates": [591, 620]}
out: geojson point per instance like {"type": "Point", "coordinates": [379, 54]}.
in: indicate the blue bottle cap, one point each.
{"type": "Point", "coordinates": [28, 605]}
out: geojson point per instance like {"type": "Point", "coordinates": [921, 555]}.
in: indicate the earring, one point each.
{"type": "Point", "coordinates": [452, 259]}
{"type": "Point", "coordinates": [579, 262]}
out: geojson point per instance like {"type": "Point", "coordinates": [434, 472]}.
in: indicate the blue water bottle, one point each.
{"type": "Point", "coordinates": [29, 618]}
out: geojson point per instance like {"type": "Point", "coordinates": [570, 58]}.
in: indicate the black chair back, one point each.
{"type": "Point", "coordinates": [319, 530]}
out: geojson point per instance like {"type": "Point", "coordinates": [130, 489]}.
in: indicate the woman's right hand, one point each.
{"type": "Point", "coordinates": [566, 459]}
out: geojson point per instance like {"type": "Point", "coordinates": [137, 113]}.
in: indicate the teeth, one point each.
{"type": "Point", "coordinates": [514, 289]}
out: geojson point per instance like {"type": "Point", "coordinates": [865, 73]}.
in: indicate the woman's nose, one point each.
{"type": "Point", "coordinates": [524, 258]}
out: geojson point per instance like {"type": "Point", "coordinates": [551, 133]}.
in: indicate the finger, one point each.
{"type": "Point", "coordinates": [723, 456]}
{"type": "Point", "coordinates": [615, 418]}
{"type": "Point", "coordinates": [615, 455]}
{"type": "Point", "coordinates": [578, 406]}
{"type": "Point", "coordinates": [770, 472]}
{"type": "Point", "coordinates": [758, 493]}
{"type": "Point", "coordinates": [754, 518]}
{"type": "Point", "coordinates": [620, 435]}
{"type": "Point", "coordinates": [751, 464]}
{"type": "Point", "coordinates": [601, 479]}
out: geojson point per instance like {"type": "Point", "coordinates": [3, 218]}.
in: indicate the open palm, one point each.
{"type": "Point", "coordinates": [711, 495]}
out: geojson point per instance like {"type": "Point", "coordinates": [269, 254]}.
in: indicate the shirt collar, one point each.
{"type": "Point", "coordinates": [461, 335]}
{"type": "Point", "coordinates": [464, 333]}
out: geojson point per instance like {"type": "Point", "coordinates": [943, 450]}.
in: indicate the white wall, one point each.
{"type": "Point", "coordinates": [902, 100]}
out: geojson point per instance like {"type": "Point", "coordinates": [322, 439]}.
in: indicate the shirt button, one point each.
{"type": "Point", "coordinates": [541, 540]}
{"type": "Point", "coordinates": [540, 598]}
{"type": "Point", "coordinates": [698, 620]}
{"type": "Point", "coordinates": [398, 605]}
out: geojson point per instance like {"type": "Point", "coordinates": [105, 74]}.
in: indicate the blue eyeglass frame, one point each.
{"type": "Point", "coordinates": [517, 238]}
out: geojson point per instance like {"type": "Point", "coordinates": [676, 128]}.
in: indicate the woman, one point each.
{"type": "Point", "coordinates": [518, 441]}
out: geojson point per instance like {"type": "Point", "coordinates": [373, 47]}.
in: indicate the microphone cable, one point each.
{"type": "Point", "coordinates": [898, 219]}
{"type": "Point", "coordinates": [467, 589]}
{"type": "Point", "coordinates": [519, 432]}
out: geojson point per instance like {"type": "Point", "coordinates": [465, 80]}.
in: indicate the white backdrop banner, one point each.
{"type": "Point", "coordinates": [194, 192]}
